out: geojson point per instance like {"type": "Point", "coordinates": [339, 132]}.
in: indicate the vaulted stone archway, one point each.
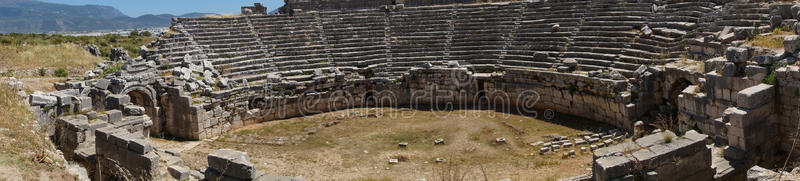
{"type": "Point", "coordinates": [143, 95]}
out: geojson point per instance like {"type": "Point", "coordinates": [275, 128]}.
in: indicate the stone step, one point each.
{"type": "Point", "coordinates": [623, 51]}
{"type": "Point", "coordinates": [566, 21]}
{"type": "Point", "coordinates": [688, 9]}
{"type": "Point", "coordinates": [743, 23]}
{"type": "Point", "coordinates": [614, 23]}
{"type": "Point", "coordinates": [590, 14]}
{"type": "Point", "coordinates": [606, 28]}
{"type": "Point", "coordinates": [745, 17]}
{"type": "Point", "coordinates": [668, 32]}
{"type": "Point", "coordinates": [682, 25]}
{"type": "Point", "coordinates": [521, 62]}
{"type": "Point", "coordinates": [617, 18]}
{"type": "Point", "coordinates": [417, 51]}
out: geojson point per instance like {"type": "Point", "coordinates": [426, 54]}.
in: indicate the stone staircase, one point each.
{"type": "Point", "coordinates": [536, 42]}
{"type": "Point", "coordinates": [479, 33]}
{"type": "Point", "coordinates": [387, 42]}
{"type": "Point", "coordinates": [420, 34]}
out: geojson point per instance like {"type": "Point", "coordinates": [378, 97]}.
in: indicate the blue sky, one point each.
{"type": "Point", "coordinates": [136, 8]}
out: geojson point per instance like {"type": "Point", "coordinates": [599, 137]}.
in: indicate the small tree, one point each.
{"type": "Point", "coordinates": [60, 72]}
{"type": "Point", "coordinates": [42, 71]}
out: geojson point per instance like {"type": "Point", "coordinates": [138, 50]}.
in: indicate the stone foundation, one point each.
{"type": "Point", "coordinates": [124, 155]}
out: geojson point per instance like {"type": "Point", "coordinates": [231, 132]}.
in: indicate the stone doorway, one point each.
{"type": "Point", "coordinates": [142, 98]}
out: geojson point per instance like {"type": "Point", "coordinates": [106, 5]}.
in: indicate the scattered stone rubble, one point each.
{"type": "Point", "coordinates": [757, 173]}
{"type": "Point", "coordinates": [581, 142]}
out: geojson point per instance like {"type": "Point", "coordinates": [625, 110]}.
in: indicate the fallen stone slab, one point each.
{"type": "Point", "coordinates": [757, 173]}
{"type": "Point", "coordinates": [133, 110]}
{"type": "Point", "coordinates": [179, 172]}
{"type": "Point", "coordinates": [231, 163]}
{"type": "Point", "coordinates": [500, 140]}
{"type": "Point", "coordinates": [537, 143]}
{"type": "Point", "coordinates": [37, 99]}
{"type": "Point", "coordinates": [544, 150]}
{"type": "Point", "coordinates": [439, 141]}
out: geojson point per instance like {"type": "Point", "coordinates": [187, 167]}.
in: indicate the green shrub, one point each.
{"type": "Point", "coordinates": [60, 72]}
{"type": "Point", "coordinates": [113, 68]}
{"type": "Point", "coordinates": [42, 71]}
{"type": "Point", "coordinates": [772, 78]}
{"type": "Point", "coordinates": [8, 73]}
{"type": "Point", "coordinates": [6, 41]}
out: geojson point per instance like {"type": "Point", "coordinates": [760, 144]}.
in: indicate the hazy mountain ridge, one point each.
{"type": "Point", "coordinates": [31, 16]}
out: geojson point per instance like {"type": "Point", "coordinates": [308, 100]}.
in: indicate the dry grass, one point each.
{"type": "Point", "coordinates": [359, 148]}
{"type": "Point", "coordinates": [774, 40]}
{"type": "Point", "coordinates": [771, 42]}
{"type": "Point", "coordinates": [44, 85]}
{"type": "Point", "coordinates": [49, 56]}
{"type": "Point", "coordinates": [20, 143]}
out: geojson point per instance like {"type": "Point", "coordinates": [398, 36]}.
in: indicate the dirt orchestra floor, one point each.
{"type": "Point", "coordinates": [363, 141]}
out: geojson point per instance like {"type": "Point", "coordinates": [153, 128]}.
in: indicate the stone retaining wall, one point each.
{"type": "Point", "coordinates": [514, 91]}
{"type": "Point", "coordinates": [124, 155]}
{"type": "Point", "coordinates": [788, 92]}
{"type": "Point", "coordinates": [602, 100]}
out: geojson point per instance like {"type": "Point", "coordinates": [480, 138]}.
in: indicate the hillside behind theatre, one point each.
{"type": "Point", "coordinates": [31, 16]}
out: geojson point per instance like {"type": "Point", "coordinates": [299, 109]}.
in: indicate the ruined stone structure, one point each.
{"type": "Point", "coordinates": [653, 158]}
{"type": "Point", "coordinates": [319, 5]}
{"type": "Point", "coordinates": [257, 8]}
{"type": "Point", "coordinates": [615, 62]}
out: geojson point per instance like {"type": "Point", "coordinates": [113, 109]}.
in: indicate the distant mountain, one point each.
{"type": "Point", "coordinates": [31, 16]}
{"type": "Point", "coordinates": [195, 15]}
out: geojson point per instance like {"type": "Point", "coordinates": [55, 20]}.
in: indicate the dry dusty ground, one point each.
{"type": "Point", "coordinates": [359, 148]}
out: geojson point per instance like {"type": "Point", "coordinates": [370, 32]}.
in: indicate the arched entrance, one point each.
{"type": "Point", "coordinates": [369, 99]}
{"type": "Point", "coordinates": [145, 96]}
{"type": "Point", "coordinates": [675, 90]}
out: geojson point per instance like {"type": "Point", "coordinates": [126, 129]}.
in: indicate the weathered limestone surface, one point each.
{"type": "Point", "coordinates": [676, 158]}
{"type": "Point", "coordinates": [228, 164]}
{"type": "Point", "coordinates": [756, 96]}
{"type": "Point", "coordinates": [122, 154]}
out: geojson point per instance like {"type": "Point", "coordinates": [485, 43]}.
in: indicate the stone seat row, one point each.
{"type": "Point", "coordinates": [477, 37]}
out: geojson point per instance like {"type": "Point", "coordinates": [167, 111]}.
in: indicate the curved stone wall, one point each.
{"type": "Point", "coordinates": [595, 59]}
